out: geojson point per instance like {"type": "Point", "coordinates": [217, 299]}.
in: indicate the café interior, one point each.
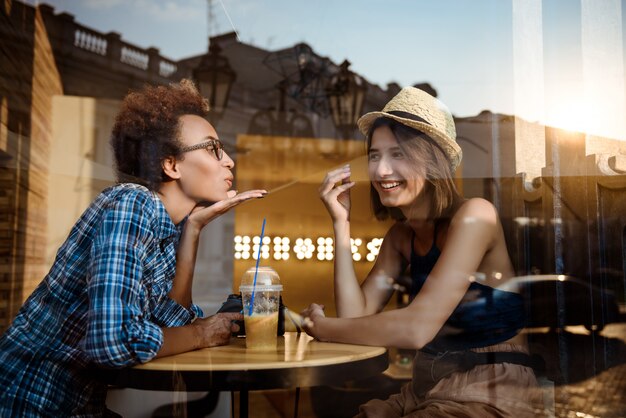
{"type": "Point", "coordinates": [287, 115]}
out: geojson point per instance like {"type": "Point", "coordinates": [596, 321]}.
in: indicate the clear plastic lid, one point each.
{"type": "Point", "coordinates": [266, 279]}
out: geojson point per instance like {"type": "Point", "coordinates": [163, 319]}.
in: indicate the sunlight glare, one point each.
{"type": "Point", "coordinates": [571, 116]}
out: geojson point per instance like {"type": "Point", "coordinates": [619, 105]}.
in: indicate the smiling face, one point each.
{"type": "Point", "coordinates": [202, 176]}
{"type": "Point", "coordinates": [395, 177]}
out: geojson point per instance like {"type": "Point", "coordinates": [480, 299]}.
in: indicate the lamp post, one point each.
{"type": "Point", "coordinates": [346, 94]}
{"type": "Point", "coordinates": [215, 78]}
{"type": "Point", "coordinates": [280, 122]}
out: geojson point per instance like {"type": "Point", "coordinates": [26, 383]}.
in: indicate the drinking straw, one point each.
{"type": "Point", "coordinates": [256, 269]}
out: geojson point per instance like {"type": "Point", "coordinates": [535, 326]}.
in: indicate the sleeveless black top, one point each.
{"type": "Point", "coordinates": [486, 316]}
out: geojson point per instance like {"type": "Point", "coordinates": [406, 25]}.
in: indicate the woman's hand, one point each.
{"type": "Point", "coordinates": [337, 198]}
{"type": "Point", "coordinates": [204, 213]}
{"type": "Point", "coordinates": [216, 330]}
{"type": "Point", "coordinates": [187, 251]}
{"type": "Point", "coordinates": [312, 317]}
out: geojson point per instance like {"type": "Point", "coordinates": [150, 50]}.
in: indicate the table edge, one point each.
{"type": "Point", "coordinates": [257, 379]}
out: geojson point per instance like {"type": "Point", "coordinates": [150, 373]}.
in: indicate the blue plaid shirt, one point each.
{"type": "Point", "coordinates": [102, 304]}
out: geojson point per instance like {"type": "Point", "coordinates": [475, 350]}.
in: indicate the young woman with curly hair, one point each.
{"type": "Point", "coordinates": [119, 291]}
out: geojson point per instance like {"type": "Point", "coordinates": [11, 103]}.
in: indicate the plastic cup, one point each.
{"type": "Point", "coordinates": [260, 312]}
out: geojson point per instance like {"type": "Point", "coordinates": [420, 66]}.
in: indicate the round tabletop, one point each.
{"type": "Point", "coordinates": [297, 361]}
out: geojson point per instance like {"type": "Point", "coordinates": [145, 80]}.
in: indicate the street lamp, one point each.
{"type": "Point", "coordinates": [280, 122]}
{"type": "Point", "coordinates": [346, 95]}
{"type": "Point", "coordinates": [215, 78]}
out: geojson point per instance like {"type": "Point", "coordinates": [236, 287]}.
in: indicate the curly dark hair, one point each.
{"type": "Point", "coordinates": [147, 130]}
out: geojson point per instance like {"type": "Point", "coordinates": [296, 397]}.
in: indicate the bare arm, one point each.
{"type": "Point", "coordinates": [389, 265]}
{"type": "Point", "coordinates": [205, 332]}
{"type": "Point", "coordinates": [471, 235]}
{"type": "Point", "coordinates": [188, 246]}
{"type": "Point", "coordinates": [351, 299]}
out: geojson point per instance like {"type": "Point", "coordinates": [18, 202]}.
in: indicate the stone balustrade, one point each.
{"type": "Point", "coordinates": [77, 42]}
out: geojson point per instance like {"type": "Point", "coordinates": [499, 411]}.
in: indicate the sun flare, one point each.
{"type": "Point", "coordinates": [587, 114]}
{"type": "Point", "coordinates": [571, 116]}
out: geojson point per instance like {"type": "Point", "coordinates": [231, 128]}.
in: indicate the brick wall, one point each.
{"type": "Point", "coordinates": [28, 81]}
{"type": "Point", "coordinates": [7, 180]}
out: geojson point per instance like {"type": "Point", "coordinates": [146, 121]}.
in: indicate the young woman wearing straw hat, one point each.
{"type": "Point", "coordinates": [471, 357]}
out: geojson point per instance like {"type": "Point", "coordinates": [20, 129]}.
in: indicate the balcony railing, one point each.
{"type": "Point", "coordinates": [82, 43]}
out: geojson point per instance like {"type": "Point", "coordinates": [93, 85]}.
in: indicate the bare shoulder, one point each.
{"type": "Point", "coordinates": [476, 210]}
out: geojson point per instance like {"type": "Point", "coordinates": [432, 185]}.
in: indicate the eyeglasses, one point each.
{"type": "Point", "coordinates": [213, 144]}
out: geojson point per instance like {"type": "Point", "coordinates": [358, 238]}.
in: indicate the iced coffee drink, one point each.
{"type": "Point", "coordinates": [261, 330]}
{"type": "Point", "coordinates": [261, 301]}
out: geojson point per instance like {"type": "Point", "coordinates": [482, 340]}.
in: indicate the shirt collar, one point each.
{"type": "Point", "coordinates": [166, 227]}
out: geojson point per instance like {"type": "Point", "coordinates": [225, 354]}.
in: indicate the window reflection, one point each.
{"type": "Point", "coordinates": [539, 116]}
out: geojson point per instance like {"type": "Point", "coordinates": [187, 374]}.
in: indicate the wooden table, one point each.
{"type": "Point", "coordinates": [298, 361]}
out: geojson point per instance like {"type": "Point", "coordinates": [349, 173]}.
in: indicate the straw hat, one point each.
{"type": "Point", "coordinates": [419, 110]}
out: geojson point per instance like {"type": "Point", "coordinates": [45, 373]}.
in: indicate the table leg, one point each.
{"type": "Point", "coordinates": [295, 410]}
{"type": "Point", "coordinates": [243, 404]}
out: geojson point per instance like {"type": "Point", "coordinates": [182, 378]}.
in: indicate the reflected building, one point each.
{"type": "Point", "coordinates": [560, 194]}
{"type": "Point", "coordinates": [60, 89]}
{"type": "Point", "coordinates": [60, 86]}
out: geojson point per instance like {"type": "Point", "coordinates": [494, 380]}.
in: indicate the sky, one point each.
{"type": "Point", "coordinates": [554, 61]}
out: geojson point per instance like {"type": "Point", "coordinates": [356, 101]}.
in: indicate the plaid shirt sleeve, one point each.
{"type": "Point", "coordinates": [118, 334]}
{"type": "Point", "coordinates": [172, 314]}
